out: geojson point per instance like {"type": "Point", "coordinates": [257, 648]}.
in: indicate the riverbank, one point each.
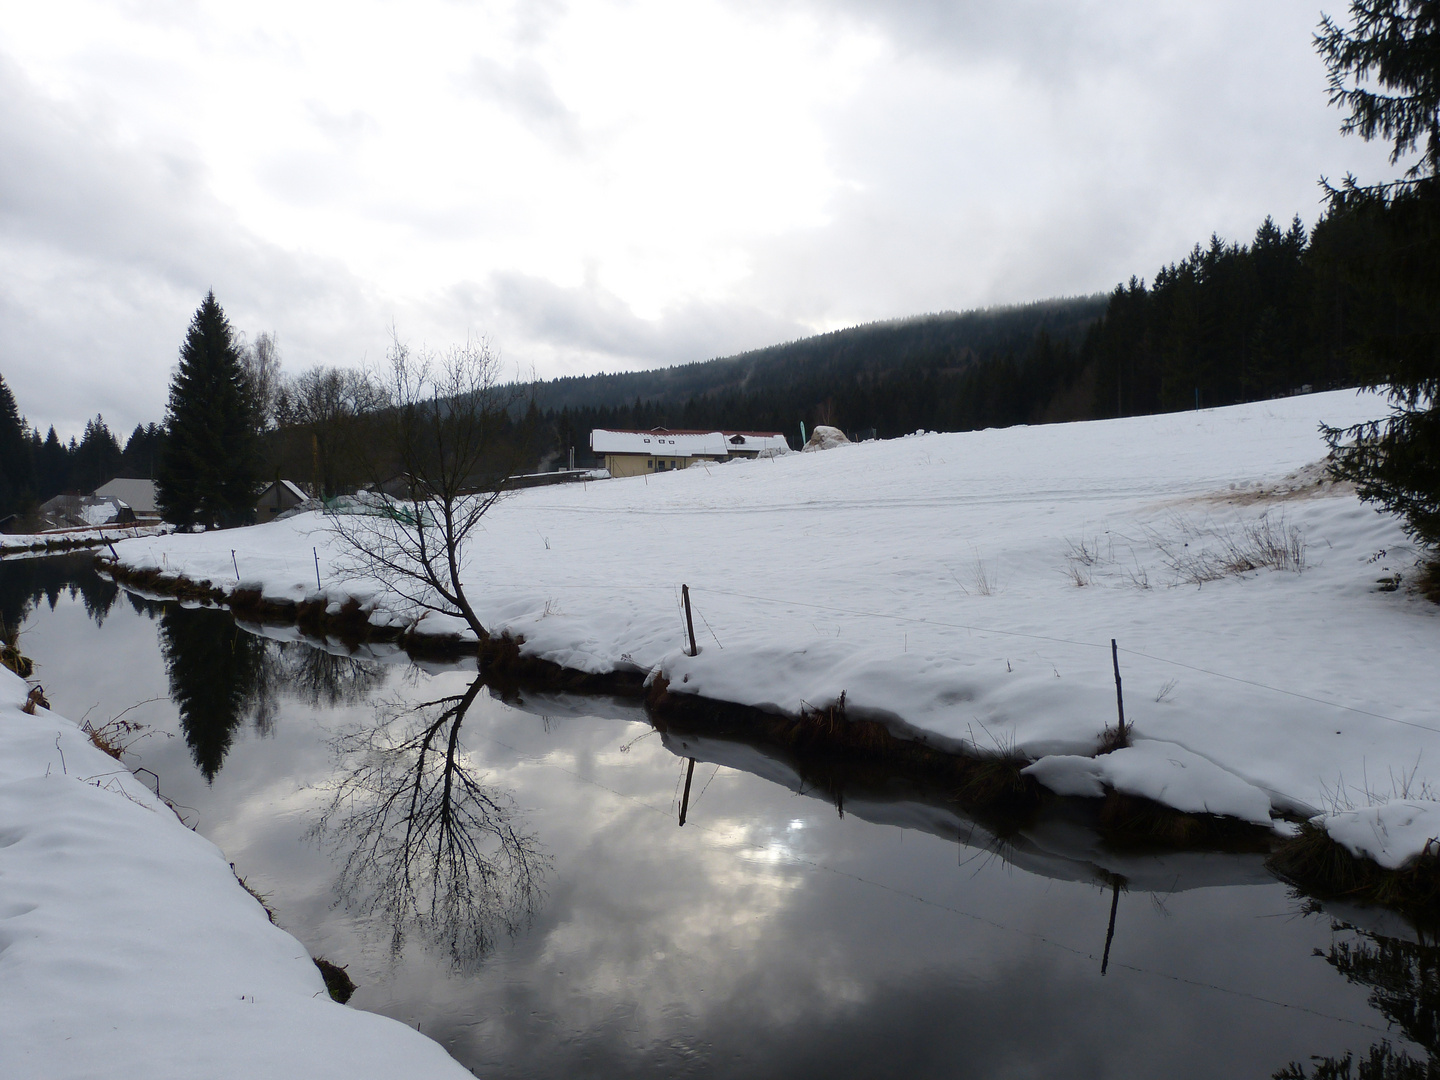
{"type": "Point", "coordinates": [961, 591]}
{"type": "Point", "coordinates": [48, 543]}
{"type": "Point", "coordinates": [129, 949]}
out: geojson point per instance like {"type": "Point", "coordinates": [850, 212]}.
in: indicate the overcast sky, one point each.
{"type": "Point", "coordinates": [614, 184]}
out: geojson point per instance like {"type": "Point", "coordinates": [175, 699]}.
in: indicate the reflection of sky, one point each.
{"type": "Point", "coordinates": [766, 937]}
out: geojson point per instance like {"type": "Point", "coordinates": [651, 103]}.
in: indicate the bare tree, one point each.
{"type": "Point", "coordinates": [331, 409]}
{"type": "Point", "coordinates": [453, 448]}
{"type": "Point", "coordinates": [260, 362]}
{"type": "Point", "coordinates": [425, 845]}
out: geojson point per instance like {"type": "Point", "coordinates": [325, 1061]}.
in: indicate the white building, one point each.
{"type": "Point", "coordinates": [635, 453]}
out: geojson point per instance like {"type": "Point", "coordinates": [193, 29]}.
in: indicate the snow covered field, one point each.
{"type": "Point", "coordinates": [965, 588]}
{"type": "Point", "coordinates": [128, 949]}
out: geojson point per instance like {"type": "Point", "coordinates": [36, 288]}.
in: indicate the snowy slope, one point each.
{"type": "Point", "coordinates": [128, 949]}
{"type": "Point", "coordinates": [936, 581]}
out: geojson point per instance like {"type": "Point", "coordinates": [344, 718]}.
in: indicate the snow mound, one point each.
{"type": "Point", "coordinates": [1392, 834]}
{"type": "Point", "coordinates": [1162, 771]}
{"type": "Point", "coordinates": [824, 437]}
{"type": "Point", "coordinates": [129, 950]}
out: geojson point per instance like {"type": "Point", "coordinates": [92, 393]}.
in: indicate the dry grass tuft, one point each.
{"type": "Point", "coordinates": [996, 783]}
{"type": "Point", "coordinates": [10, 654]}
{"type": "Point", "coordinates": [1209, 552]}
{"type": "Point", "coordinates": [259, 898]}
{"type": "Point", "coordinates": [35, 699]}
{"type": "Point", "coordinates": [1317, 865]}
{"type": "Point", "coordinates": [1113, 738]}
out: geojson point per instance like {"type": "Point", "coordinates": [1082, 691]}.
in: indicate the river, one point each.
{"type": "Point", "coordinates": [512, 878]}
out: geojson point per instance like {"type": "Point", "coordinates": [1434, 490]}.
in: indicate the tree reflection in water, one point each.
{"type": "Point", "coordinates": [1404, 982]}
{"type": "Point", "coordinates": [221, 675]}
{"type": "Point", "coordinates": [25, 582]}
{"type": "Point", "coordinates": [425, 846]}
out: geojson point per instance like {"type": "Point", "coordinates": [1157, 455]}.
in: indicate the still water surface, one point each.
{"type": "Point", "coordinates": [511, 879]}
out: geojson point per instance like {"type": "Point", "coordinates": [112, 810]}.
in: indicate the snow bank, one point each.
{"type": "Point", "coordinates": [1392, 834]}
{"type": "Point", "coordinates": [963, 588]}
{"type": "Point", "coordinates": [128, 949]}
{"type": "Point", "coordinates": [23, 542]}
{"type": "Point", "coordinates": [1161, 771]}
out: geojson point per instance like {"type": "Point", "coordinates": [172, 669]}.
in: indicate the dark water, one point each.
{"type": "Point", "coordinates": [511, 879]}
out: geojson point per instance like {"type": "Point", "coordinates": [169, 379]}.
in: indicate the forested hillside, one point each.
{"type": "Point", "coordinates": [1228, 323]}
{"type": "Point", "coordinates": [946, 372]}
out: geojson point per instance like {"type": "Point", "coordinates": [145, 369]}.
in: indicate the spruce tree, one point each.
{"type": "Point", "coordinates": [1385, 68]}
{"type": "Point", "coordinates": [17, 480]}
{"type": "Point", "coordinates": [97, 458]}
{"type": "Point", "coordinates": [52, 465]}
{"type": "Point", "coordinates": [209, 469]}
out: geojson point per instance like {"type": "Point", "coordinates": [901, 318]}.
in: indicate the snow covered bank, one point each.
{"type": "Point", "coordinates": [963, 589]}
{"type": "Point", "coordinates": [128, 949]}
{"type": "Point", "coordinates": [21, 543]}
{"type": "Point", "coordinates": [1390, 834]}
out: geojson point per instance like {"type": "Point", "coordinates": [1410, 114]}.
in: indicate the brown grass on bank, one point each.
{"type": "Point", "coordinates": [1130, 820]}
{"type": "Point", "coordinates": [10, 654]}
{"type": "Point", "coordinates": [1316, 864]}
{"type": "Point", "coordinates": [114, 737]}
{"type": "Point", "coordinates": [259, 898]}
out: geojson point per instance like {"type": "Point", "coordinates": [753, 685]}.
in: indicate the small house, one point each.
{"type": "Point", "coordinates": [280, 496]}
{"type": "Point", "coordinates": [139, 495]}
{"type": "Point", "coordinates": [638, 453]}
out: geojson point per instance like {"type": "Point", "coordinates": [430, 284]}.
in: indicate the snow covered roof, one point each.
{"type": "Point", "coordinates": [754, 441]}
{"type": "Point", "coordinates": [139, 495]}
{"type": "Point", "coordinates": [659, 441]}
{"type": "Point", "coordinates": [288, 487]}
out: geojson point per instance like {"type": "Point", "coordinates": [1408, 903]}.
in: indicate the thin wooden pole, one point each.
{"type": "Point", "coordinates": [316, 553]}
{"type": "Point", "coordinates": [689, 622]}
{"type": "Point", "coordinates": [1119, 699]}
{"type": "Point", "coordinates": [685, 799]}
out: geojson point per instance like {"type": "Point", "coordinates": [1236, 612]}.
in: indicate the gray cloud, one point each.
{"type": "Point", "coordinates": [1005, 152]}
{"type": "Point", "coordinates": [574, 329]}
{"type": "Point", "coordinates": [999, 184]}
{"type": "Point", "coordinates": [108, 250]}
{"type": "Point", "coordinates": [524, 89]}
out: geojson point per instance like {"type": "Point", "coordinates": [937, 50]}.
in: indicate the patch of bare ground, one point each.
{"type": "Point", "coordinates": [1311, 481]}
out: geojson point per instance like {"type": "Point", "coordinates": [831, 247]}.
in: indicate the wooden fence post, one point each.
{"type": "Point", "coordinates": [1119, 700]}
{"type": "Point", "coordinates": [689, 622]}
